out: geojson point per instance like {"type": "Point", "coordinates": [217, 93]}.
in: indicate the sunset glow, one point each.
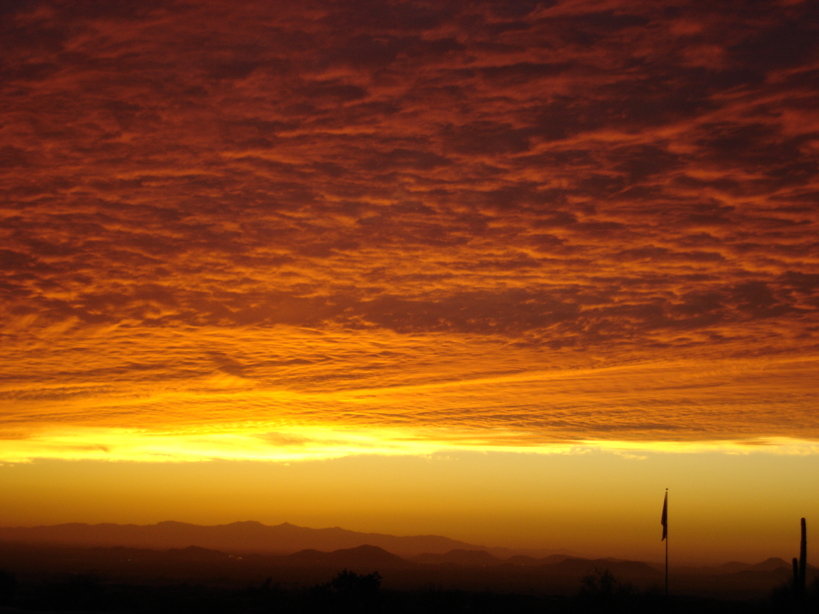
{"type": "Point", "coordinates": [302, 237]}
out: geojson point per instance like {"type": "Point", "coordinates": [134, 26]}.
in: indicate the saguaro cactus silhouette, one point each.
{"type": "Point", "coordinates": [800, 566]}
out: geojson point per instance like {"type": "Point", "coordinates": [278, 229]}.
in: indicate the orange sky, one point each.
{"type": "Point", "coordinates": [543, 239]}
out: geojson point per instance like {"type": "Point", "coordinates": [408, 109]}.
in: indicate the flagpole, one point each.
{"type": "Point", "coordinates": [666, 566]}
{"type": "Point", "coordinates": [665, 507]}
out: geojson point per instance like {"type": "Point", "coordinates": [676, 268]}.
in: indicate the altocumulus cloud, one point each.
{"type": "Point", "coordinates": [411, 215]}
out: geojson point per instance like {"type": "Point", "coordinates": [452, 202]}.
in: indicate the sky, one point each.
{"type": "Point", "coordinates": [499, 270]}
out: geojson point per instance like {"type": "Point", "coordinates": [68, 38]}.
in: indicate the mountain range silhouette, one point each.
{"type": "Point", "coordinates": [242, 554]}
{"type": "Point", "coordinates": [247, 536]}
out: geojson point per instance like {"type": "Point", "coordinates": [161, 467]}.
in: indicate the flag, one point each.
{"type": "Point", "coordinates": [664, 517]}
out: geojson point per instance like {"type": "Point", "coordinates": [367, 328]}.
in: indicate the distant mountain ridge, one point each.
{"type": "Point", "coordinates": [247, 536]}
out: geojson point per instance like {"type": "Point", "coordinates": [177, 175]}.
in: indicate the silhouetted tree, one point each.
{"type": "Point", "coordinates": [601, 583]}
{"type": "Point", "coordinates": [350, 583]}
{"type": "Point", "coordinates": [355, 592]}
{"type": "Point", "coordinates": [600, 590]}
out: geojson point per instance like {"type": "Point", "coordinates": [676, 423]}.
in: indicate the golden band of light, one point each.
{"type": "Point", "coordinates": [285, 444]}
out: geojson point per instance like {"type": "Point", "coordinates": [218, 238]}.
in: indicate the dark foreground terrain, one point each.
{"type": "Point", "coordinates": [367, 579]}
{"type": "Point", "coordinates": [351, 592]}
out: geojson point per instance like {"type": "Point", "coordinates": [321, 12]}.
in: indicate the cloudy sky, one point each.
{"type": "Point", "coordinates": [297, 232]}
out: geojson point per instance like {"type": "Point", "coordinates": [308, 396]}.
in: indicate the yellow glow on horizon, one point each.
{"type": "Point", "coordinates": [277, 443]}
